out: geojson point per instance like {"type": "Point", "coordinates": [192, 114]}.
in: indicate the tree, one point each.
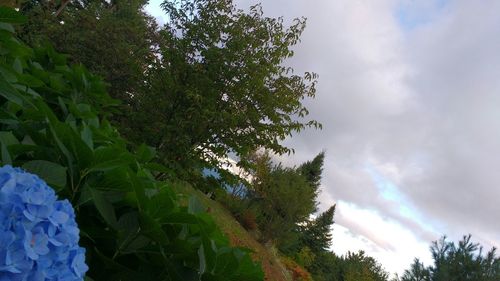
{"type": "Point", "coordinates": [114, 39]}
{"type": "Point", "coordinates": [209, 84]}
{"type": "Point", "coordinates": [359, 267]}
{"type": "Point", "coordinates": [281, 197]}
{"type": "Point", "coordinates": [317, 234]}
{"type": "Point", "coordinates": [312, 170]}
{"type": "Point", "coordinates": [220, 86]}
{"type": "Point", "coordinates": [417, 272]}
{"type": "Point", "coordinates": [464, 262]}
{"type": "Point", "coordinates": [327, 267]}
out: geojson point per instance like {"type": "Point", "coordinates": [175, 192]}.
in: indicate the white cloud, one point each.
{"type": "Point", "coordinates": [386, 240]}
{"type": "Point", "coordinates": [420, 102]}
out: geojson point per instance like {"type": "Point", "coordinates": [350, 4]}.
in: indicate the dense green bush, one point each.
{"type": "Point", "coordinates": [53, 123]}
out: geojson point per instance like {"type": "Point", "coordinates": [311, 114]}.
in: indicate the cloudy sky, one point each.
{"type": "Point", "coordinates": [409, 98]}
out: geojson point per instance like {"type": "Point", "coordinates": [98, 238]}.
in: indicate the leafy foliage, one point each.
{"type": "Point", "coordinates": [114, 39]}
{"type": "Point", "coordinates": [53, 122]}
{"type": "Point", "coordinates": [283, 196]}
{"type": "Point", "coordinates": [209, 84]}
{"type": "Point", "coordinates": [298, 273]}
{"type": "Point", "coordinates": [359, 267]}
{"type": "Point", "coordinates": [220, 87]}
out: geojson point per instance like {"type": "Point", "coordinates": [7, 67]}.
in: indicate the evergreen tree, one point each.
{"type": "Point", "coordinates": [316, 234]}
{"type": "Point", "coordinates": [464, 261]}
{"type": "Point", "coordinates": [312, 170]}
{"type": "Point", "coordinates": [360, 267]}
{"type": "Point", "coordinates": [417, 272]}
{"type": "Point", "coordinates": [283, 198]}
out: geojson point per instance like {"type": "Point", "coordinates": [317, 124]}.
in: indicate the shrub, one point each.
{"type": "Point", "coordinates": [298, 273]}
{"type": "Point", "coordinates": [53, 123]}
{"type": "Point", "coordinates": [248, 220]}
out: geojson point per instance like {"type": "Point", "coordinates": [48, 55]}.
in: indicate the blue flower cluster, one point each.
{"type": "Point", "coordinates": [38, 233]}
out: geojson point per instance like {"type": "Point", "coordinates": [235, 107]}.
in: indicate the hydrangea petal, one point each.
{"type": "Point", "coordinates": [38, 233]}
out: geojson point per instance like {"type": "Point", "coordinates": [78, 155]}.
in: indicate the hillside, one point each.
{"type": "Point", "coordinates": [238, 236]}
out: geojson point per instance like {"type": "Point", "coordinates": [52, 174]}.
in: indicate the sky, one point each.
{"type": "Point", "coordinates": [409, 99]}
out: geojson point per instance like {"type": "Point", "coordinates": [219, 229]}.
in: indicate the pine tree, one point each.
{"type": "Point", "coordinates": [316, 234]}
{"type": "Point", "coordinates": [464, 261]}
{"type": "Point", "coordinates": [417, 272]}
{"type": "Point", "coordinates": [312, 170]}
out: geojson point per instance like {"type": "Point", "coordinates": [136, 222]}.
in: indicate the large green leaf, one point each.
{"type": "Point", "coordinates": [53, 173]}
{"type": "Point", "coordinates": [145, 153]}
{"type": "Point", "coordinates": [153, 230]}
{"type": "Point", "coordinates": [195, 206]}
{"type": "Point", "coordinates": [108, 158]}
{"type": "Point", "coordinates": [8, 138]}
{"type": "Point", "coordinates": [6, 27]}
{"type": "Point", "coordinates": [9, 92]}
{"type": "Point", "coordinates": [104, 207]}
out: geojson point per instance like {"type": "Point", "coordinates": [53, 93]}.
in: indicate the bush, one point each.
{"type": "Point", "coordinates": [248, 220]}
{"type": "Point", "coordinates": [53, 123]}
{"type": "Point", "coordinates": [298, 273]}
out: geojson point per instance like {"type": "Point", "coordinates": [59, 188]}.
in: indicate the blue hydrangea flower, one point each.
{"type": "Point", "coordinates": [38, 233]}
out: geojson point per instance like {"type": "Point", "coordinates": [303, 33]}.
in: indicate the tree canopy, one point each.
{"type": "Point", "coordinates": [220, 86]}
{"type": "Point", "coordinates": [212, 82]}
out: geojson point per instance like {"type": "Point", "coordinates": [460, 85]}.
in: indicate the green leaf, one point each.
{"type": "Point", "coordinates": [9, 92]}
{"type": "Point", "coordinates": [11, 16]}
{"type": "Point", "coordinates": [17, 66]}
{"type": "Point", "coordinates": [86, 135]}
{"type": "Point", "coordinates": [129, 239]}
{"type": "Point", "coordinates": [203, 262]}
{"type": "Point", "coordinates": [111, 264]}
{"type": "Point", "coordinates": [56, 132]}
{"type": "Point", "coordinates": [104, 207]}
{"type": "Point", "coordinates": [53, 173]}
{"type": "Point", "coordinates": [29, 80]}
{"type": "Point", "coordinates": [8, 138]}
{"type": "Point", "coordinates": [6, 159]}
{"type": "Point", "coordinates": [108, 158]}
{"type": "Point", "coordinates": [152, 229]}
{"type": "Point", "coordinates": [195, 206]}
{"type": "Point", "coordinates": [139, 191]}
{"type": "Point", "coordinates": [7, 27]}
{"type": "Point", "coordinates": [145, 153]}
{"type": "Point", "coordinates": [158, 168]}
{"type": "Point", "coordinates": [180, 218]}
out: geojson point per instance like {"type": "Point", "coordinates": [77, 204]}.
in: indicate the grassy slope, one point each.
{"type": "Point", "coordinates": [273, 269]}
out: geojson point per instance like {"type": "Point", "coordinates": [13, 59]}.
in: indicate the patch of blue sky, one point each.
{"type": "Point", "coordinates": [411, 14]}
{"type": "Point", "coordinates": [240, 188]}
{"type": "Point", "coordinates": [391, 192]}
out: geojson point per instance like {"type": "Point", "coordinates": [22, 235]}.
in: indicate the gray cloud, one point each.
{"type": "Point", "coordinates": [424, 100]}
